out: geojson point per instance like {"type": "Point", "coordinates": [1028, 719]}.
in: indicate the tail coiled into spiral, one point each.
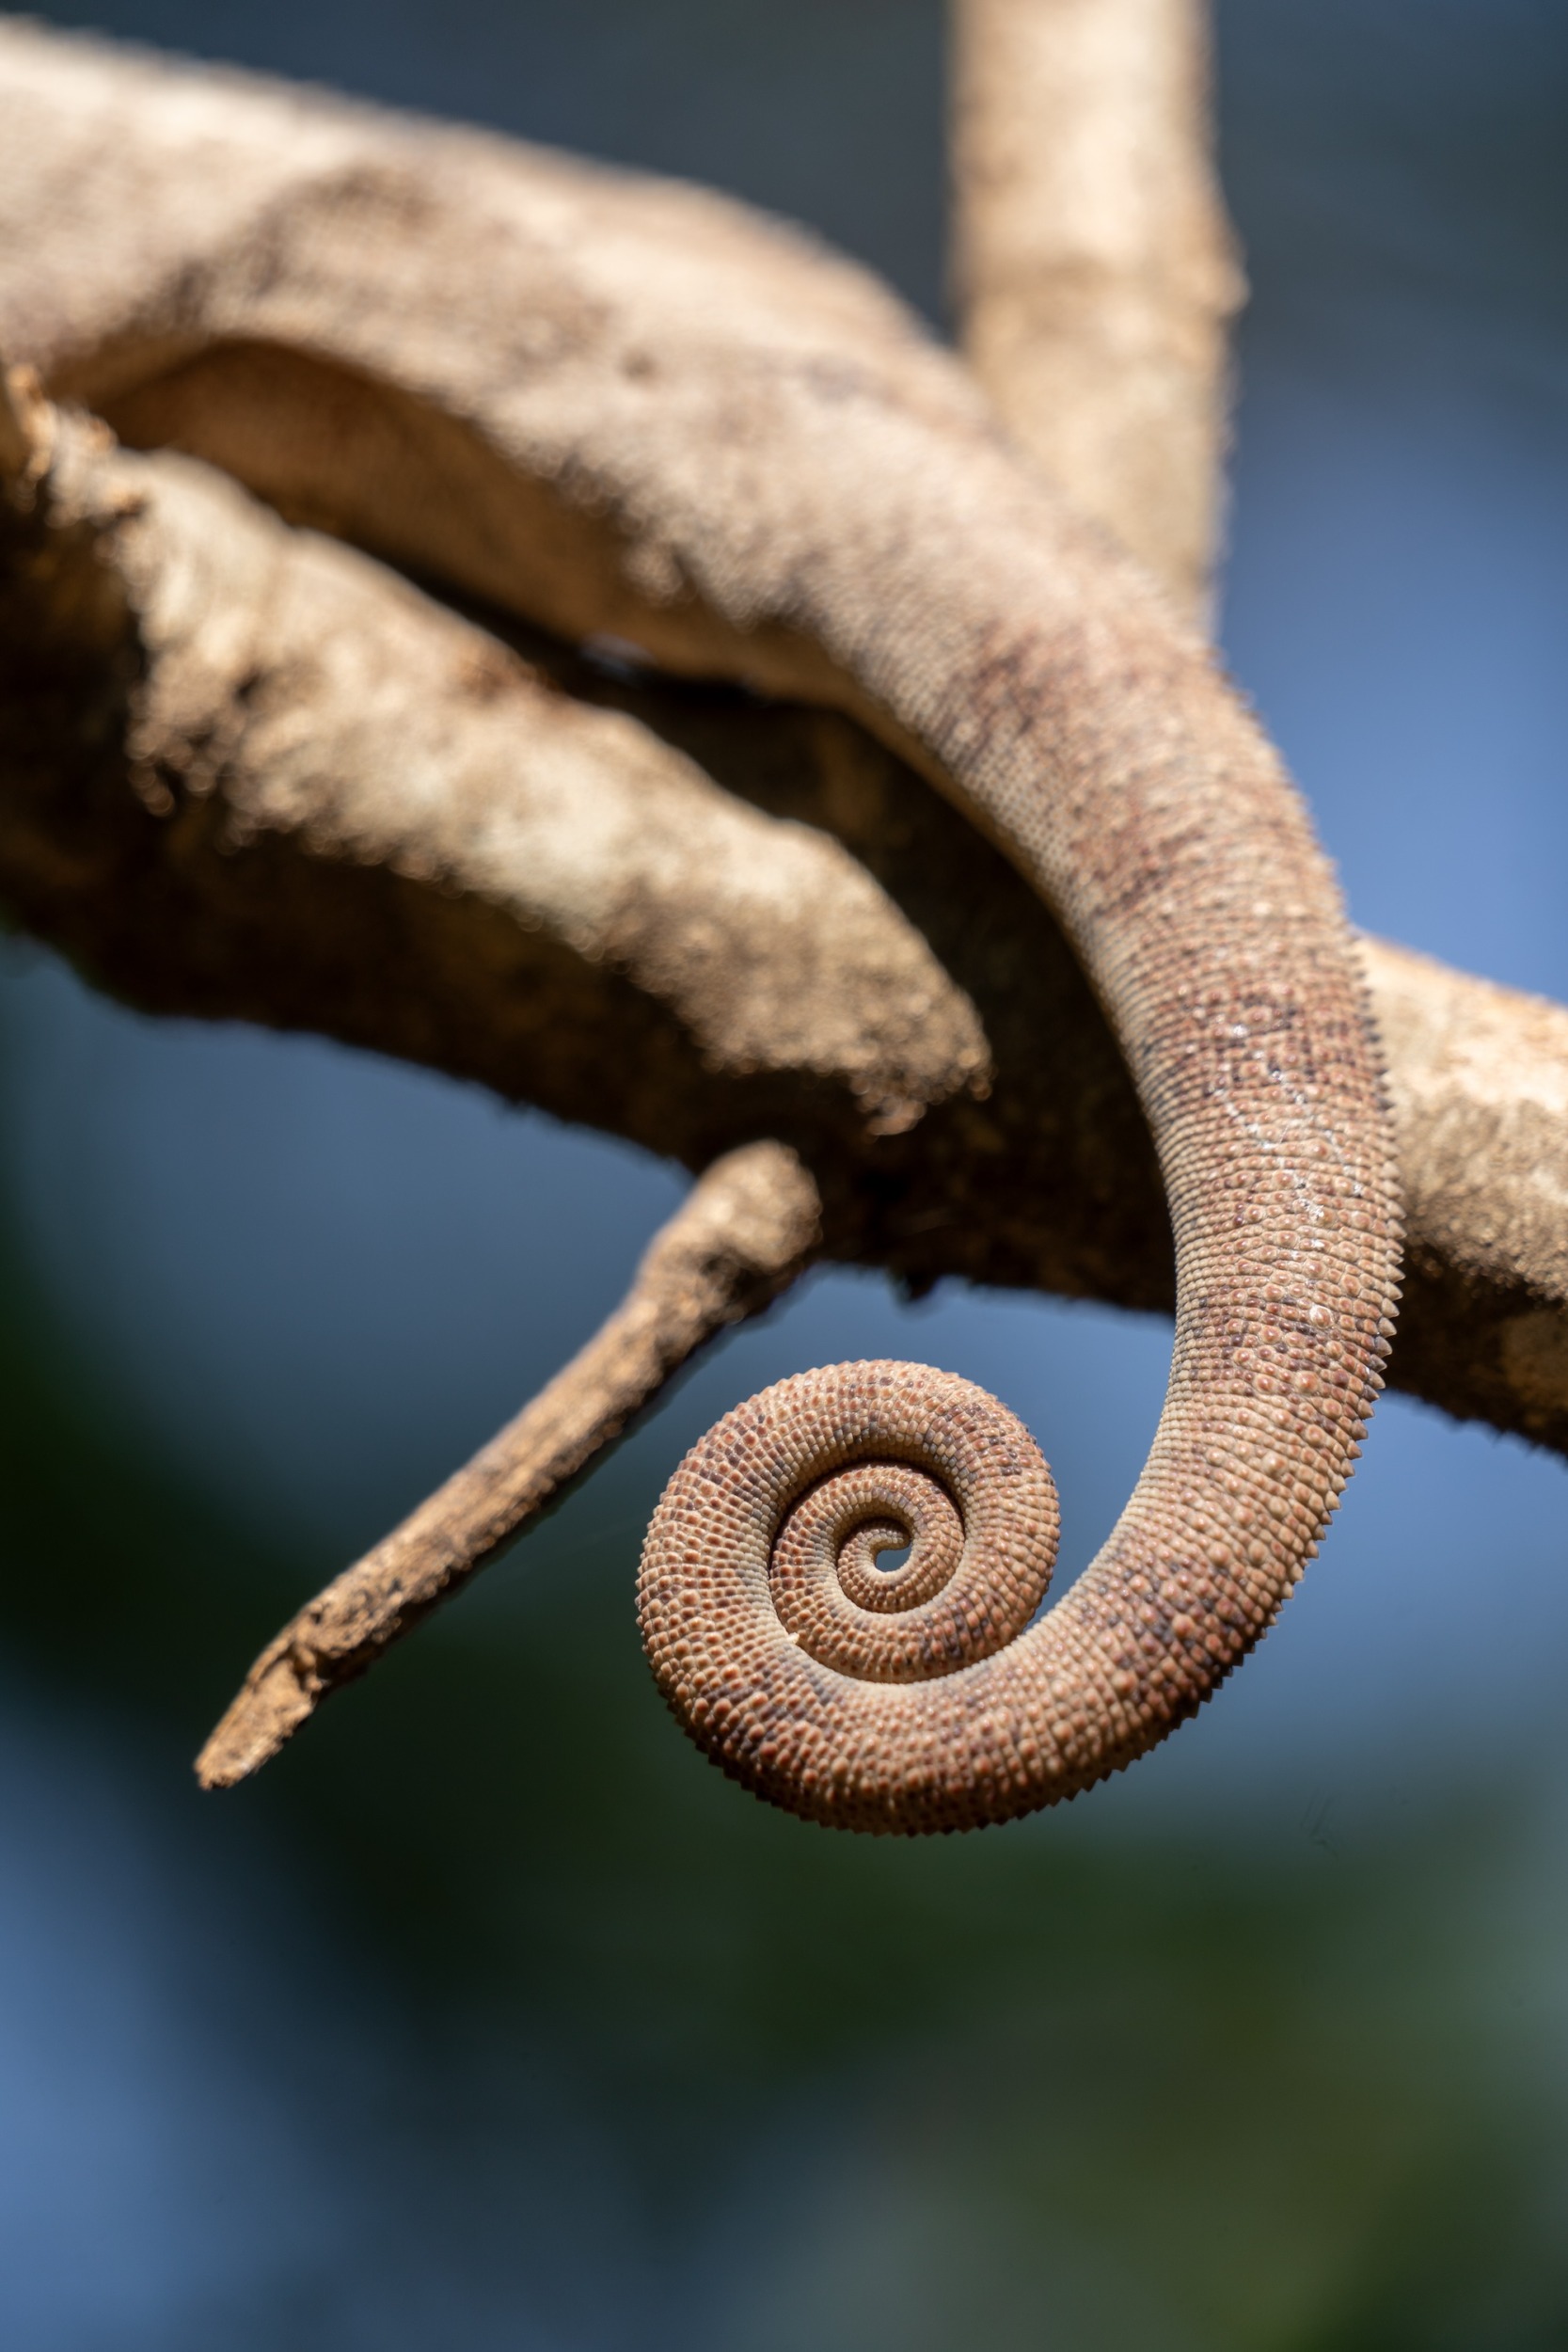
{"type": "Point", "coordinates": [851, 1694]}
{"type": "Point", "coordinates": [934, 1696]}
{"type": "Point", "coordinates": [729, 453]}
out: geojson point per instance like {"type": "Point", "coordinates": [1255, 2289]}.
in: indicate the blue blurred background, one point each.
{"type": "Point", "coordinates": [491, 2017]}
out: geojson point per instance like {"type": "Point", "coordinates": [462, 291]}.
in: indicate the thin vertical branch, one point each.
{"type": "Point", "coordinates": [1095, 269]}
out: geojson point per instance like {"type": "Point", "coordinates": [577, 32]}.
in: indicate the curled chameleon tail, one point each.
{"type": "Point", "coordinates": [615, 407]}
{"type": "Point", "coordinates": [799, 1666]}
{"type": "Point", "coordinates": [931, 1698]}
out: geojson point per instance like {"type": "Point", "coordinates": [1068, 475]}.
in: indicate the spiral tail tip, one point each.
{"type": "Point", "coordinates": [802, 1668]}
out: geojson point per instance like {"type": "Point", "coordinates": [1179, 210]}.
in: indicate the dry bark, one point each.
{"type": "Point", "coordinates": [747, 1229]}
{"type": "Point", "coordinates": [1479, 1075]}
{"type": "Point", "coordinates": [1095, 270]}
{"type": "Point", "coordinates": [289, 859]}
{"type": "Point", "coordinates": [276, 875]}
{"type": "Point", "coordinates": [695, 434]}
{"type": "Point", "coordinates": [1097, 273]}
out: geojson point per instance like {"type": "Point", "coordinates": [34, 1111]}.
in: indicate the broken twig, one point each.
{"type": "Point", "coordinates": [750, 1226]}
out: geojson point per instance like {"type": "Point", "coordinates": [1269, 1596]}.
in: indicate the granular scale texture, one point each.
{"type": "Point", "coordinates": [622, 409]}
{"type": "Point", "coordinates": [930, 1696]}
{"type": "Point", "coordinates": [828, 1684]}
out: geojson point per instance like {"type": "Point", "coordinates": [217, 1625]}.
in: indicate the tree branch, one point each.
{"type": "Point", "coordinates": [1095, 270]}
{"type": "Point", "coordinates": [251, 774]}
{"type": "Point", "coordinates": [348, 816]}
{"type": "Point", "coordinates": [749, 1227]}
{"type": "Point", "coordinates": [1098, 273]}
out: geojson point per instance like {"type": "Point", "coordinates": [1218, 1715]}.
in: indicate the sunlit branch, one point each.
{"type": "Point", "coordinates": [750, 1226]}
{"type": "Point", "coordinates": [1095, 270]}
